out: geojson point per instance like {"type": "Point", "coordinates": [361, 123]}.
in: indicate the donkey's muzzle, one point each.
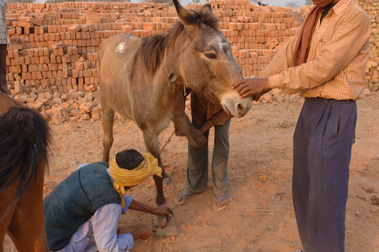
{"type": "Point", "coordinates": [237, 106]}
{"type": "Point", "coordinates": [241, 109]}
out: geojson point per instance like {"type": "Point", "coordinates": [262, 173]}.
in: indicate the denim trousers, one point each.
{"type": "Point", "coordinates": [197, 164]}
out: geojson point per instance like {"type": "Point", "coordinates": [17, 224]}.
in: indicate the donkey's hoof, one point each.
{"type": "Point", "coordinates": [167, 181]}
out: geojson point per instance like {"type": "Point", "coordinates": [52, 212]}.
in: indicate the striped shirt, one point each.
{"type": "Point", "coordinates": [3, 26]}
{"type": "Point", "coordinates": [335, 67]}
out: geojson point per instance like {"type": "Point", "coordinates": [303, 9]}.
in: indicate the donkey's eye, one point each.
{"type": "Point", "coordinates": [210, 55]}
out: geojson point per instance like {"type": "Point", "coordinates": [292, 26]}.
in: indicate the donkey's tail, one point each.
{"type": "Point", "coordinates": [24, 140]}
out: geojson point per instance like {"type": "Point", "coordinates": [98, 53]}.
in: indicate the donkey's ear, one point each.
{"type": "Point", "coordinates": [206, 9]}
{"type": "Point", "coordinates": [185, 16]}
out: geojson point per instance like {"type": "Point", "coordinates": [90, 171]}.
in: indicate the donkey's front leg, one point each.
{"type": "Point", "coordinates": [152, 146]}
{"type": "Point", "coordinates": [107, 118]}
{"type": "Point", "coordinates": [183, 126]}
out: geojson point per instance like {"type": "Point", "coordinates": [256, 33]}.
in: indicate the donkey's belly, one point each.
{"type": "Point", "coordinates": [160, 125]}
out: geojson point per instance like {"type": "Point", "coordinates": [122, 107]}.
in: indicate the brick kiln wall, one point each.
{"type": "Point", "coordinates": [54, 45]}
{"type": "Point", "coordinates": [372, 70]}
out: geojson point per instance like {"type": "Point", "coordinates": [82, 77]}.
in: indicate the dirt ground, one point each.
{"type": "Point", "coordinates": [260, 217]}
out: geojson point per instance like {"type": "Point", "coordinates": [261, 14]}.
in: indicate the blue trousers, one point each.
{"type": "Point", "coordinates": [197, 165]}
{"type": "Point", "coordinates": [322, 145]}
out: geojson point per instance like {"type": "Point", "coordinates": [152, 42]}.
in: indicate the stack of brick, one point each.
{"type": "Point", "coordinates": [53, 47]}
{"type": "Point", "coordinates": [56, 44]}
{"type": "Point", "coordinates": [372, 70]}
{"type": "Point", "coordinates": [255, 33]}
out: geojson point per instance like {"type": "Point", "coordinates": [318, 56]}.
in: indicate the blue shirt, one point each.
{"type": "Point", "coordinates": [100, 232]}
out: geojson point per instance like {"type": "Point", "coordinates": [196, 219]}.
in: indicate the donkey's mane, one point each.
{"type": "Point", "coordinates": [151, 51]}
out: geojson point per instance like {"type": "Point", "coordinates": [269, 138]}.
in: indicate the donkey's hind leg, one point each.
{"type": "Point", "coordinates": [152, 146]}
{"type": "Point", "coordinates": [107, 118]}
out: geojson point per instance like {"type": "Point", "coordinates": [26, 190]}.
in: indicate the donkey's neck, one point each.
{"type": "Point", "coordinates": [151, 50]}
{"type": "Point", "coordinates": [157, 58]}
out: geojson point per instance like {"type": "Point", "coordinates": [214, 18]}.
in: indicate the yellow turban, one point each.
{"type": "Point", "coordinates": [123, 177]}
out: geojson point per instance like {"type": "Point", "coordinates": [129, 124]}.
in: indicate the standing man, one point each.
{"type": "Point", "coordinates": [326, 63]}
{"type": "Point", "coordinates": [206, 115]}
{"type": "Point", "coordinates": [3, 47]}
{"type": "Point", "coordinates": [82, 212]}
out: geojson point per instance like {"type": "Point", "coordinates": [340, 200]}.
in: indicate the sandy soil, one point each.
{"type": "Point", "coordinates": [260, 216]}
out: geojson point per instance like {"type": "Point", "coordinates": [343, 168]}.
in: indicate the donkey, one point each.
{"type": "Point", "coordinates": [143, 79]}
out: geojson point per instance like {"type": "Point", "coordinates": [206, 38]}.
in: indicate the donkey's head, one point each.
{"type": "Point", "coordinates": [205, 60]}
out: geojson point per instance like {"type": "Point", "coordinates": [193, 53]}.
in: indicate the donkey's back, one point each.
{"type": "Point", "coordinates": [116, 58]}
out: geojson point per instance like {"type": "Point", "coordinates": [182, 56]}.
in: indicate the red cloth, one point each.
{"type": "Point", "coordinates": [304, 40]}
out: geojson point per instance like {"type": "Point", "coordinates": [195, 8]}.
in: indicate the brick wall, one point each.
{"type": "Point", "coordinates": [53, 46]}
{"type": "Point", "coordinates": [372, 70]}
